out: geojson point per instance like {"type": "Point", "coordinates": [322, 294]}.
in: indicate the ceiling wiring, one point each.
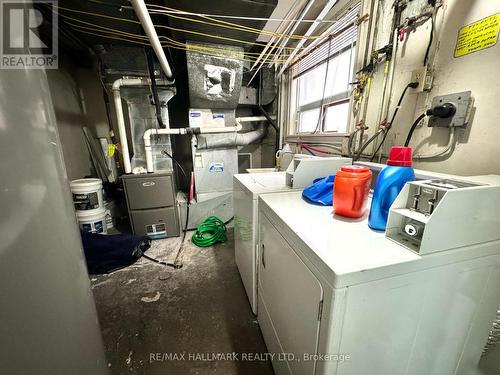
{"type": "Point", "coordinates": [213, 50]}
{"type": "Point", "coordinates": [112, 33]}
{"type": "Point", "coordinates": [283, 56]}
{"type": "Point", "coordinates": [229, 25]}
{"type": "Point", "coordinates": [242, 17]}
{"type": "Point", "coordinates": [143, 40]}
{"type": "Point", "coordinates": [116, 6]}
{"type": "Point", "coordinates": [212, 36]}
{"type": "Point", "coordinates": [171, 28]}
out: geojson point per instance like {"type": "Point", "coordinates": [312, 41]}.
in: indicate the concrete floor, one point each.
{"type": "Point", "coordinates": [156, 319]}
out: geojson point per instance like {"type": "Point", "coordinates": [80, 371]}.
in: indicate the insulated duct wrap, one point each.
{"type": "Point", "coordinates": [141, 116]}
{"type": "Point", "coordinates": [214, 82]}
{"type": "Point", "coordinates": [233, 140]}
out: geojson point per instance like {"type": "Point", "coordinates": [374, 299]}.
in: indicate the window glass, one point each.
{"type": "Point", "coordinates": [336, 85]}
{"type": "Point", "coordinates": [308, 121]}
{"type": "Point", "coordinates": [311, 85]}
{"type": "Point", "coordinates": [339, 74]}
{"type": "Point", "coordinates": [336, 117]}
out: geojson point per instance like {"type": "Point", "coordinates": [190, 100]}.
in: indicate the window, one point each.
{"type": "Point", "coordinates": [321, 80]}
{"type": "Point", "coordinates": [328, 112]}
{"type": "Point", "coordinates": [336, 117]}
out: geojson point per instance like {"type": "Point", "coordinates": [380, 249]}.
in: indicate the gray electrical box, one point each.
{"type": "Point", "coordinates": [151, 204]}
{"type": "Point", "coordinates": [463, 103]}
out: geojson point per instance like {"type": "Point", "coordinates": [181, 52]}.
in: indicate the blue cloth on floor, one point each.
{"type": "Point", "coordinates": [320, 192]}
{"type": "Point", "coordinates": [108, 253]}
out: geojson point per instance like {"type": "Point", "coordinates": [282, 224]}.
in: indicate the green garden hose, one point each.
{"type": "Point", "coordinates": [211, 231]}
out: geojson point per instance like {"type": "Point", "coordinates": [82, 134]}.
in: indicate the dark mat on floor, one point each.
{"type": "Point", "coordinates": [157, 320]}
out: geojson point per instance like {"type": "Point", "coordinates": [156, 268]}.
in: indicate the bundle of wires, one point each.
{"type": "Point", "coordinates": [209, 232]}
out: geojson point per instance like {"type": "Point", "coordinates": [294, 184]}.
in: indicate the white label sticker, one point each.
{"type": "Point", "coordinates": [216, 167]}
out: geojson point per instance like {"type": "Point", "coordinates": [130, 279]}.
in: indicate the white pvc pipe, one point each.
{"type": "Point", "coordinates": [122, 132]}
{"type": "Point", "coordinates": [252, 118]}
{"type": "Point", "coordinates": [147, 24]}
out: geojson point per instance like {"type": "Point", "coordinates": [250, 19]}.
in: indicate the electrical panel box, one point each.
{"type": "Point", "coordinates": [436, 215]}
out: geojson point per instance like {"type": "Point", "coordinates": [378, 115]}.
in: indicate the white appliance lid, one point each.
{"type": "Point", "coordinates": [259, 183]}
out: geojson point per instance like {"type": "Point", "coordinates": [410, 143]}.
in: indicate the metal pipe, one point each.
{"type": "Point", "coordinates": [147, 24]}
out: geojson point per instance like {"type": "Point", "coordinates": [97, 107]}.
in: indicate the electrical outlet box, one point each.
{"type": "Point", "coordinates": [424, 78]}
{"type": "Point", "coordinates": [463, 103]}
{"type": "Point", "coordinates": [419, 76]}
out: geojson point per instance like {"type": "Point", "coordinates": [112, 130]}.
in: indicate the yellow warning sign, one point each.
{"type": "Point", "coordinates": [478, 35]}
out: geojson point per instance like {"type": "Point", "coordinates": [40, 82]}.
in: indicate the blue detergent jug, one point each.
{"type": "Point", "coordinates": [389, 183]}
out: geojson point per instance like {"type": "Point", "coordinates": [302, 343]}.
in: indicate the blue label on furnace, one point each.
{"type": "Point", "coordinates": [216, 167]}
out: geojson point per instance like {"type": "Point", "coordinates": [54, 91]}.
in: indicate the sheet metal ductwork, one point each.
{"type": "Point", "coordinates": [214, 81]}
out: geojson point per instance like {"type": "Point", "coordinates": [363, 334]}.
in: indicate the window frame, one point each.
{"type": "Point", "coordinates": [327, 101]}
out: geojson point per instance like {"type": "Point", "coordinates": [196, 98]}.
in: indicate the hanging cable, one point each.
{"type": "Point", "coordinates": [426, 58]}
{"type": "Point", "coordinates": [351, 140]}
{"type": "Point", "coordinates": [154, 88]}
{"type": "Point", "coordinates": [181, 246]}
{"type": "Point", "coordinates": [311, 148]}
{"type": "Point", "coordinates": [230, 25]}
{"type": "Point", "coordinates": [213, 22]}
{"type": "Point", "coordinates": [367, 143]}
{"type": "Point", "coordinates": [396, 110]}
{"type": "Point", "coordinates": [140, 41]}
{"type": "Point", "coordinates": [137, 39]}
{"type": "Point", "coordinates": [322, 112]}
{"type": "Point", "coordinates": [413, 127]}
{"type": "Point", "coordinates": [449, 146]}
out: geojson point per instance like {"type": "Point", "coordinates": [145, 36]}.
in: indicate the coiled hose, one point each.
{"type": "Point", "coordinates": [494, 335]}
{"type": "Point", "coordinates": [209, 232]}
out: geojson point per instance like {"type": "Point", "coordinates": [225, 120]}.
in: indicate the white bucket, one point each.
{"type": "Point", "coordinates": [87, 194]}
{"type": "Point", "coordinates": [93, 221]}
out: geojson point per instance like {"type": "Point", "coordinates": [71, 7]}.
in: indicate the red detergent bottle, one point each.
{"type": "Point", "coordinates": [350, 190]}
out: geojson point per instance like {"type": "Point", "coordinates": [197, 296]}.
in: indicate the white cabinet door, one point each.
{"type": "Point", "coordinates": [245, 242]}
{"type": "Point", "coordinates": [292, 296]}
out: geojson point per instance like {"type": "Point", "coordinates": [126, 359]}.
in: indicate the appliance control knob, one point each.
{"type": "Point", "coordinates": [413, 229]}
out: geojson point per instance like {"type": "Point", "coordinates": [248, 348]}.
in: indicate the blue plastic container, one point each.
{"type": "Point", "coordinates": [390, 182]}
